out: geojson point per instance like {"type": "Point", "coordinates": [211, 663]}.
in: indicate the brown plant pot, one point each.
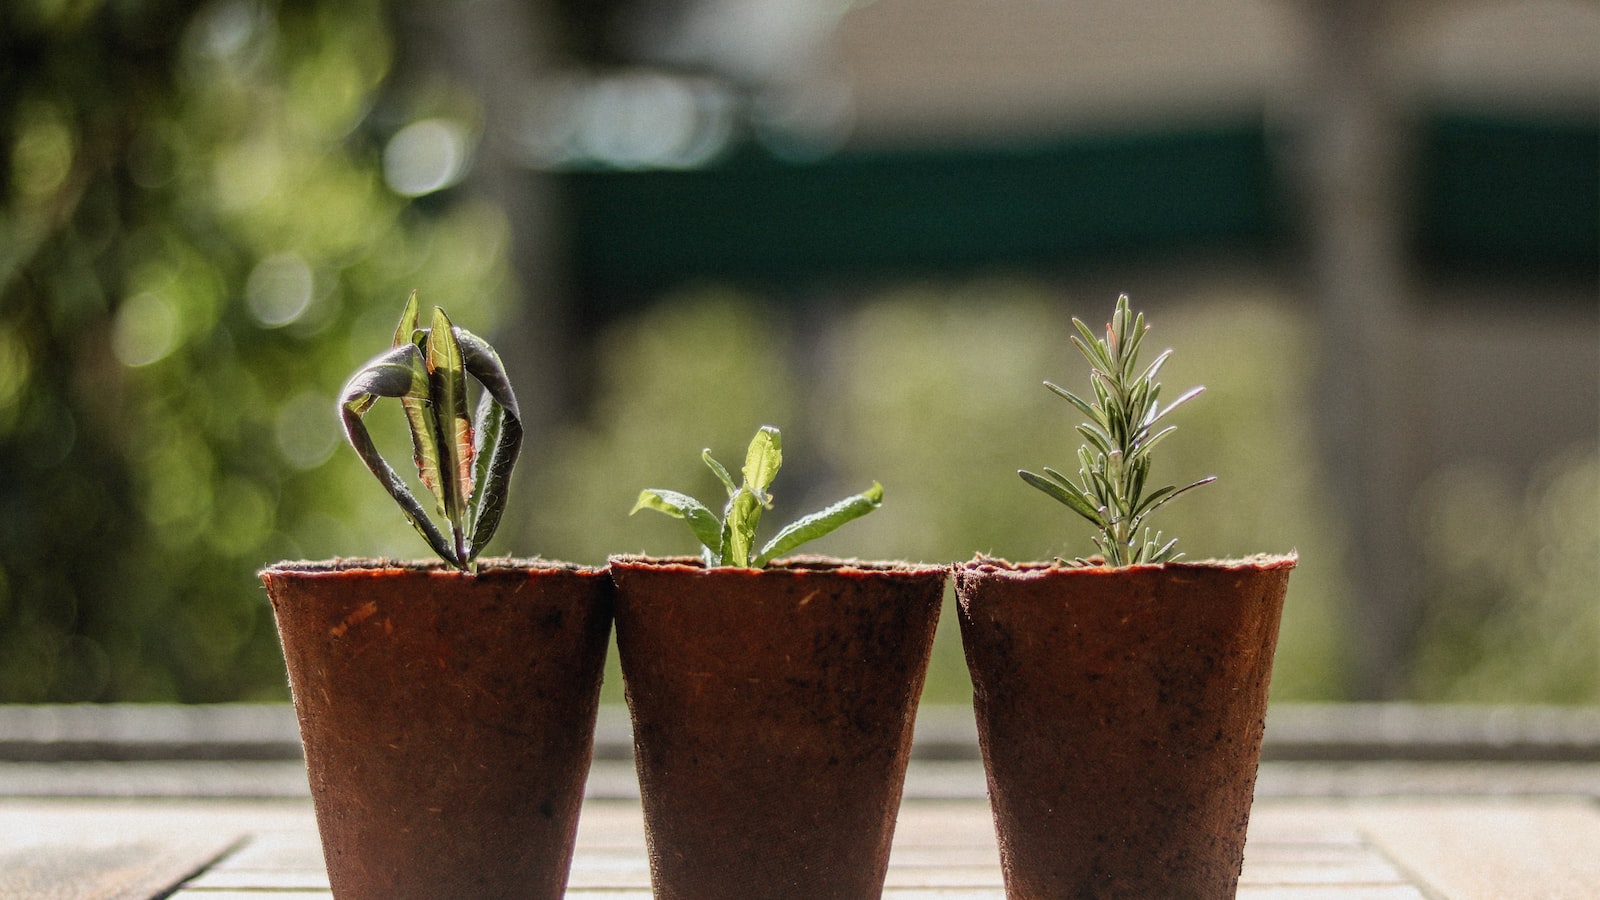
{"type": "Point", "coordinates": [772, 715]}
{"type": "Point", "coordinates": [1120, 714]}
{"type": "Point", "coordinates": [448, 719]}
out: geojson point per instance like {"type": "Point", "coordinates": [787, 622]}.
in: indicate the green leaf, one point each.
{"type": "Point", "coordinates": [743, 516]}
{"type": "Point", "coordinates": [820, 523]}
{"type": "Point", "coordinates": [1082, 405]}
{"type": "Point", "coordinates": [1149, 374]}
{"type": "Point", "coordinates": [1183, 398]}
{"type": "Point", "coordinates": [1097, 438]}
{"type": "Point", "coordinates": [406, 331]}
{"type": "Point", "coordinates": [1119, 434]}
{"type": "Point", "coordinates": [762, 460]}
{"type": "Point", "coordinates": [448, 387]}
{"type": "Point", "coordinates": [1091, 346]}
{"type": "Point", "coordinates": [1066, 493]}
{"type": "Point", "coordinates": [720, 470]}
{"type": "Point", "coordinates": [702, 521]}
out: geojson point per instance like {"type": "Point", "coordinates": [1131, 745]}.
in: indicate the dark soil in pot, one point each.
{"type": "Point", "coordinates": [773, 713]}
{"type": "Point", "coordinates": [448, 719]}
{"type": "Point", "coordinates": [1120, 714]}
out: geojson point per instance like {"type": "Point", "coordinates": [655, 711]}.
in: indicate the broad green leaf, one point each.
{"type": "Point", "coordinates": [720, 470]}
{"type": "Point", "coordinates": [743, 515]}
{"type": "Point", "coordinates": [702, 521]}
{"type": "Point", "coordinates": [448, 386]}
{"type": "Point", "coordinates": [762, 461]}
{"type": "Point", "coordinates": [820, 523]}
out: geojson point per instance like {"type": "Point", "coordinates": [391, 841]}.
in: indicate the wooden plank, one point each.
{"type": "Point", "coordinates": [89, 866]}
{"type": "Point", "coordinates": [944, 850]}
{"type": "Point", "coordinates": [1491, 849]}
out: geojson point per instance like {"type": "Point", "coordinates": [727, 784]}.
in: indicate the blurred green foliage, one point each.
{"type": "Point", "coordinates": [935, 389]}
{"type": "Point", "coordinates": [196, 248]}
{"type": "Point", "coordinates": [1513, 611]}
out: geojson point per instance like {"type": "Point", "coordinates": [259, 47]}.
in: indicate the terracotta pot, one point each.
{"type": "Point", "coordinates": [448, 719]}
{"type": "Point", "coordinates": [772, 713]}
{"type": "Point", "coordinates": [1120, 715]}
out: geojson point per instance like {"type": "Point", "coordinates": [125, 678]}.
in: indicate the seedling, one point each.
{"type": "Point", "coordinates": [1120, 433]}
{"type": "Point", "coordinates": [464, 460]}
{"type": "Point", "coordinates": [730, 541]}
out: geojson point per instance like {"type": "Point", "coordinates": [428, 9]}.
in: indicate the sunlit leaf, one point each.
{"type": "Point", "coordinates": [720, 470]}
{"type": "Point", "coordinates": [405, 332]}
{"type": "Point", "coordinates": [448, 388]}
{"type": "Point", "coordinates": [702, 521]}
{"type": "Point", "coordinates": [731, 541]}
{"type": "Point", "coordinates": [763, 459]}
{"type": "Point", "coordinates": [822, 522]}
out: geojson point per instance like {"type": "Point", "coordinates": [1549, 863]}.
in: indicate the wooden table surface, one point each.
{"type": "Point", "coordinates": [243, 829]}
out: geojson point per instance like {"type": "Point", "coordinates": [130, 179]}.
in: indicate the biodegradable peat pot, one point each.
{"type": "Point", "coordinates": [448, 719]}
{"type": "Point", "coordinates": [772, 714]}
{"type": "Point", "coordinates": [1120, 714]}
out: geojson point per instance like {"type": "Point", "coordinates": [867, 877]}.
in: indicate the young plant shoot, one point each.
{"type": "Point", "coordinates": [730, 541]}
{"type": "Point", "coordinates": [1121, 432]}
{"type": "Point", "coordinates": [464, 460]}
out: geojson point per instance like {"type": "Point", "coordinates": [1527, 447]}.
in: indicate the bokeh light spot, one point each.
{"type": "Point", "coordinates": [279, 290]}
{"type": "Point", "coordinates": [306, 431]}
{"type": "Point", "coordinates": [42, 157]}
{"type": "Point", "coordinates": [425, 156]}
{"type": "Point", "coordinates": [146, 330]}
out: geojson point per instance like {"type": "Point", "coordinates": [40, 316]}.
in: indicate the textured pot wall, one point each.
{"type": "Point", "coordinates": [1120, 715]}
{"type": "Point", "coordinates": [772, 714]}
{"type": "Point", "coordinates": [448, 721]}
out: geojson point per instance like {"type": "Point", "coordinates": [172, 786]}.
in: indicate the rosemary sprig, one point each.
{"type": "Point", "coordinates": [1114, 463]}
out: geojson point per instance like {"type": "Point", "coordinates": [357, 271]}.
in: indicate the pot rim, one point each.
{"type": "Point", "coordinates": [345, 566]}
{"type": "Point", "coordinates": [990, 565]}
{"type": "Point", "coordinates": [792, 566]}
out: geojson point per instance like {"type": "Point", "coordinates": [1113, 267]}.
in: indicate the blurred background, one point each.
{"type": "Point", "coordinates": [1371, 229]}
